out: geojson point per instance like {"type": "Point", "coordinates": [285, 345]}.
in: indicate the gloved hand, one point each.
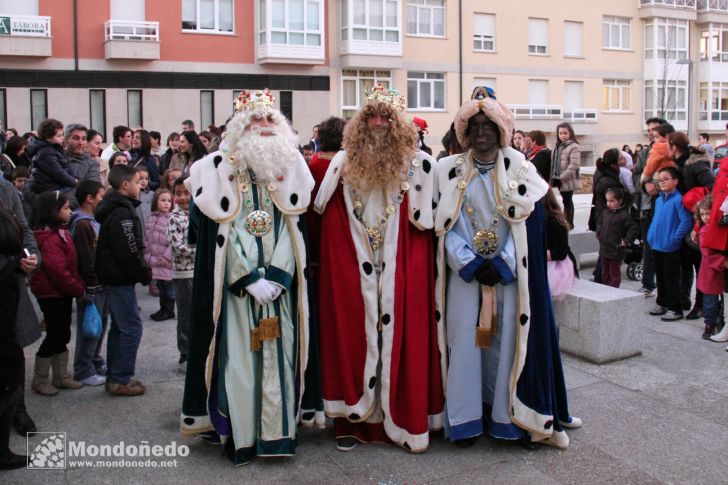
{"type": "Point", "coordinates": [263, 291]}
{"type": "Point", "coordinates": [278, 290]}
{"type": "Point", "coordinates": [487, 274]}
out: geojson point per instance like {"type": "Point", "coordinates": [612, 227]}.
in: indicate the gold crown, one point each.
{"type": "Point", "coordinates": [248, 100]}
{"type": "Point", "coordinates": [380, 94]}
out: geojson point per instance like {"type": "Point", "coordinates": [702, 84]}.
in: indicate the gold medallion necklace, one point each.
{"type": "Point", "coordinates": [485, 241]}
{"type": "Point", "coordinates": [259, 222]}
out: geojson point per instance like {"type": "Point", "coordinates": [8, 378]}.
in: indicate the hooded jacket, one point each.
{"type": "Point", "coordinates": [85, 232]}
{"type": "Point", "coordinates": [51, 169]}
{"type": "Point", "coordinates": [120, 249]}
{"type": "Point", "coordinates": [614, 227]}
{"type": "Point", "coordinates": [694, 172]}
{"type": "Point", "coordinates": [58, 276]}
{"type": "Point", "coordinates": [671, 223]}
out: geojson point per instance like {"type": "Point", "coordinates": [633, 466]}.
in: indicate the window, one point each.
{"type": "Point", "coordinates": [128, 10]}
{"type": "Point", "coordinates": [714, 101]}
{"type": "Point", "coordinates": [13, 7]}
{"type": "Point", "coordinates": [426, 90]}
{"type": "Point", "coordinates": [489, 82]}
{"type": "Point", "coordinates": [291, 22]}
{"type": "Point", "coordinates": [538, 92]}
{"type": "Point", "coordinates": [236, 93]}
{"type": "Point", "coordinates": [38, 107]}
{"type": "Point", "coordinates": [207, 109]}
{"type": "Point", "coordinates": [354, 83]}
{"type": "Point", "coordinates": [426, 17]}
{"type": "Point", "coordinates": [538, 36]}
{"type": "Point", "coordinates": [3, 109]}
{"type": "Point", "coordinates": [666, 39]}
{"type": "Point", "coordinates": [484, 32]}
{"type": "Point", "coordinates": [97, 108]}
{"type": "Point", "coordinates": [667, 99]}
{"type": "Point", "coordinates": [285, 101]}
{"type": "Point", "coordinates": [573, 39]}
{"type": "Point", "coordinates": [573, 95]}
{"type": "Point", "coordinates": [134, 108]}
{"type": "Point", "coordinates": [616, 33]}
{"type": "Point", "coordinates": [370, 20]}
{"type": "Point", "coordinates": [714, 43]}
{"type": "Point", "coordinates": [616, 95]}
{"type": "Point", "coordinates": [207, 15]}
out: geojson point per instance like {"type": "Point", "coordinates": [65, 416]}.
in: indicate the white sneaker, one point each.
{"type": "Point", "coordinates": [572, 423]}
{"type": "Point", "coordinates": [721, 336]}
{"type": "Point", "coordinates": [94, 380]}
{"type": "Point", "coordinates": [646, 292]}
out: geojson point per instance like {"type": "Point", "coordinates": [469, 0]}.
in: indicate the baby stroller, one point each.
{"type": "Point", "coordinates": [633, 258]}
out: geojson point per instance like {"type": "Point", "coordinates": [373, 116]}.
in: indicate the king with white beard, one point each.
{"type": "Point", "coordinates": [249, 326]}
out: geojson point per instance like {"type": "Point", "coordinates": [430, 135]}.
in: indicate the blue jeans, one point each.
{"type": "Point", "coordinates": [87, 359]}
{"type": "Point", "coordinates": [711, 309]}
{"type": "Point", "coordinates": [125, 333]}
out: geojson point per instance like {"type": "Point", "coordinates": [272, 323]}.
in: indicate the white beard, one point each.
{"type": "Point", "coordinates": [268, 157]}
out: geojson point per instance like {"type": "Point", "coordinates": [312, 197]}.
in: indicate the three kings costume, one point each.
{"type": "Point", "coordinates": [504, 371]}
{"type": "Point", "coordinates": [381, 362]}
{"type": "Point", "coordinates": [245, 373]}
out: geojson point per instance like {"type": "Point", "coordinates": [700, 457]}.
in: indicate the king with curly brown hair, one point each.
{"type": "Point", "coordinates": [381, 350]}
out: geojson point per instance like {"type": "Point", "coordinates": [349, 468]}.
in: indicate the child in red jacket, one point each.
{"type": "Point", "coordinates": [55, 284]}
{"type": "Point", "coordinates": [710, 275]}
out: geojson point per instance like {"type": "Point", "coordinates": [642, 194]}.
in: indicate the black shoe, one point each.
{"type": "Point", "coordinates": [159, 315]}
{"type": "Point", "coordinates": [11, 461]}
{"type": "Point", "coordinates": [527, 444]}
{"type": "Point", "coordinates": [347, 443]}
{"type": "Point", "coordinates": [466, 442]}
{"type": "Point", "coordinates": [182, 359]}
{"type": "Point", "coordinates": [695, 313]}
{"type": "Point", "coordinates": [708, 332]}
{"type": "Point", "coordinates": [23, 423]}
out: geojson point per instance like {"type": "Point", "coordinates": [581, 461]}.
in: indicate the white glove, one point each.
{"type": "Point", "coordinates": [278, 290]}
{"type": "Point", "coordinates": [263, 291]}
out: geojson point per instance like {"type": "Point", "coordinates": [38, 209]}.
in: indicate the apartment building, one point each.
{"type": "Point", "coordinates": [603, 66]}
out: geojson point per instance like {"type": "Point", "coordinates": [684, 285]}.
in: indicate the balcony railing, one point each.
{"type": "Point", "coordinates": [131, 30]}
{"type": "Point", "coordinates": [688, 4]}
{"type": "Point", "coordinates": [713, 5]}
{"type": "Point", "coordinates": [581, 115]}
{"type": "Point", "coordinates": [537, 112]}
{"type": "Point", "coordinates": [25, 25]}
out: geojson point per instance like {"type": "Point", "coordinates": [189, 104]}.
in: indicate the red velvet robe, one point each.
{"type": "Point", "coordinates": [412, 394]}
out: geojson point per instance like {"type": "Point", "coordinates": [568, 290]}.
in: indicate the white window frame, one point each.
{"type": "Point", "coordinates": [711, 43]}
{"type": "Point", "coordinates": [35, 116]}
{"type": "Point", "coordinates": [677, 113]}
{"type": "Point", "coordinates": [266, 29]}
{"type": "Point", "coordinates": [615, 89]}
{"type": "Point", "coordinates": [420, 78]}
{"type": "Point", "coordinates": [567, 44]}
{"type": "Point", "coordinates": [538, 49]}
{"type": "Point", "coordinates": [539, 82]}
{"type": "Point", "coordinates": [216, 29]}
{"type": "Point", "coordinates": [611, 22]}
{"type": "Point", "coordinates": [207, 97]}
{"type": "Point", "coordinates": [481, 40]}
{"type": "Point", "coordinates": [358, 75]}
{"type": "Point", "coordinates": [348, 25]}
{"type": "Point", "coordinates": [93, 107]}
{"type": "Point", "coordinates": [710, 107]}
{"type": "Point", "coordinates": [656, 48]}
{"type": "Point", "coordinates": [431, 6]}
{"type": "Point", "coordinates": [130, 93]}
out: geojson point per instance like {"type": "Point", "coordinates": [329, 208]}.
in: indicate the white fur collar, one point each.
{"type": "Point", "coordinates": [518, 187]}
{"type": "Point", "coordinates": [215, 188]}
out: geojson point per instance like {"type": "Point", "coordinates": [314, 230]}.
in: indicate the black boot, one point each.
{"type": "Point", "coordinates": [11, 461]}
{"type": "Point", "coordinates": [22, 422]}
{"type": "Point", "coordinates": [170, 308]}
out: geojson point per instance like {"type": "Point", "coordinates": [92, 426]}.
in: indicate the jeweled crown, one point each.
{"type": "Point", "coordinates": [379, 94]}
{"type": "Point", "coordinates": [254, 100]}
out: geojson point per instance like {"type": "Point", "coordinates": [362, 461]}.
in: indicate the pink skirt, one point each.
{"type": "Point", "coordinates": [561, 277]}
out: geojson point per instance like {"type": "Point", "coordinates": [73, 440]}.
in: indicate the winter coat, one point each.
{"type": "Point", "coordinates": [557, 242]}
{"type": "Point", "coordinates": [157, 252]}
{"type": "Point", "coordinates": [566, 167]}
{"type": "Point", "coordinates": [604, 179]}
{"type": "Point", "coordinates": [182, 252]}
{"type": "Point", "coordinates": [84, 167]}
{"type": "Point", "coordinates": [51, 169]}
{"type": "Point", "coordinates": [716, 236]}
{"type": "Point", "coordinates": [658, 159]}
{"type": "Point", "coordinates": [670, 224]}
{"type": "Point", "coordinates": [695, 171]}
{"type": "Point", "coordinates": [614, 227]}
{"type": "Point", "coordinates": [150, 162]}
{"type": "Point", "coordinates": [542, 161]}
{"type": "Point", "coordinates": [120, 250]}
{"type": "Point", "coordinates": [85, 232]}
{"type": "Point", "coordinates": [710, 275]}
{"type": "Point", "coordinates": [144, 209]}
{"type": "Point", "coordinates": [58, 277]}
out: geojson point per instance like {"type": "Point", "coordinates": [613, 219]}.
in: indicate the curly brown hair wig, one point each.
{"type": "Point", "coordinates": [373, 161]}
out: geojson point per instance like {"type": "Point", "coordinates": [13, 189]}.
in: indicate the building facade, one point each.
{"type": "Point", "coordinates": [603, 66]}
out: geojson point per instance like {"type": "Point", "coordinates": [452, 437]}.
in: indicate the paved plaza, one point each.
{"type": "Point", "coordinates": [661, 417]}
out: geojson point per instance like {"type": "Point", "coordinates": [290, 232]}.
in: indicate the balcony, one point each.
{"type": "Point", "coordinates": [25, 35]}
{"type": "Point", "coordinates": [715, 11]}
{"type": "Point", "coordinates": [126, 39]}
{"type": "Point", "coordinates": [580, 115]}
{"type": "Point", "coordinates": [673, 9]}
{"type": "Point", "coordinates": [537, 111]}
{"type": "Point", "coordinates": [546, 117]}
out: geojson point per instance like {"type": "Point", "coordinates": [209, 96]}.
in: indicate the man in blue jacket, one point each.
{"type": "Point", "coordinates": [670, 225]}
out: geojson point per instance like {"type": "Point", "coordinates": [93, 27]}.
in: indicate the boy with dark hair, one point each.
{"type": "Point", "coordinates": [183, 264]}
{"type": "Point", "coordinates": [88, 366]}
{"type": "Point", "coordinates": [121, 142]}
{"type": "Point", "coordinates": [670, 224]}
{"type": "Point", "coordinates": [120, 266]}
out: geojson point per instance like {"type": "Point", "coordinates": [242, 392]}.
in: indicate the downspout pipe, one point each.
{"type": "Point", "coordinates": [460, 49]}
{"type": "Point", "coordinates": [75, 35]}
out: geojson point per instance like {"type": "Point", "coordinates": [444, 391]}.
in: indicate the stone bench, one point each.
{"type": "Point", "coordinates": [583, 243]}
{"type": "Point", "coordinates": [599, 323]}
